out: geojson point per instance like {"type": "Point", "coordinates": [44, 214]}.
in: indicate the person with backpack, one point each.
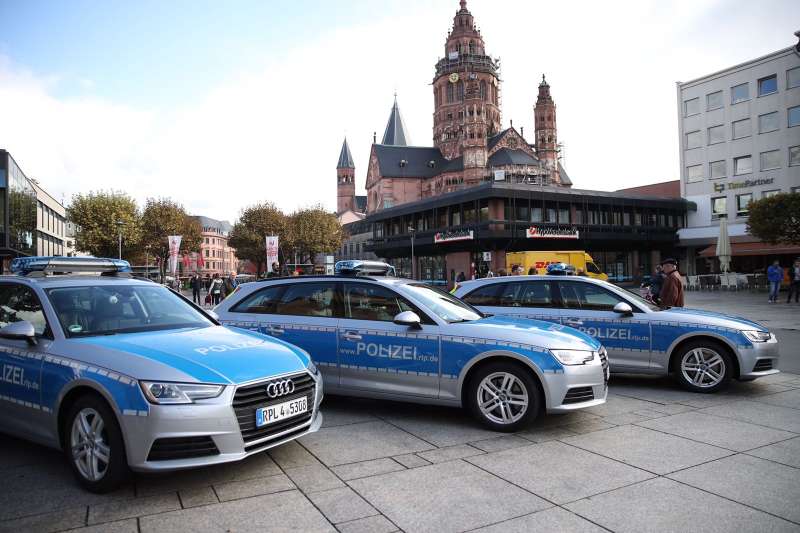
{"type": "Point", "coordinates": [215, 289]}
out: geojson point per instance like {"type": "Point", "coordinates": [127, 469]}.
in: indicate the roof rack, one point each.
{"type": "Point", "coordinates": [39, 266]}
{"type": "Point", "coordinates": [364, 268]}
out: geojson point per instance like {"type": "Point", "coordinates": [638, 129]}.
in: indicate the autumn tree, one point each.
{"type": "Point", "coordinates": [775, 219]}
{"type": "Point", "coordinates": [96, 216]}
{"type": "Point", "coordinates": [312, 231]}
{"type": "Point", "coordinates": [161, 218]}
{"type": "Point", "coordinates": [248, 235]}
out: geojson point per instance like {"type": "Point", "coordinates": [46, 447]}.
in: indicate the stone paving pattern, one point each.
{"type": "Point", "coordinates": [653, 458]}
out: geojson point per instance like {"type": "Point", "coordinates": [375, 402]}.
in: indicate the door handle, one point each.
{"type": "Point", "coordinates": [350, 336]}
{"type": "Point", "coordinates": [573, 322]}
{"type": "Point", "coordinates": [275, 330]}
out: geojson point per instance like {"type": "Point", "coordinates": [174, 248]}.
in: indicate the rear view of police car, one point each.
{"type": "Point", "coordinates": [122, 373]}
{"type": "Point", "coordinates": [382, 337]}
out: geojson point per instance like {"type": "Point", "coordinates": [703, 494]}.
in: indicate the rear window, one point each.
{"type": "Point", "coordinates": [486, 295]}
{"type": "Point", "coordinates": [264, 301]}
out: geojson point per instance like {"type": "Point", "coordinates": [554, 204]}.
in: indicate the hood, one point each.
{"type": "Point", "coordinates": [214, 354]}
{"type": "Point", "coordinates": [527, 331]}
{"type": "Point", "coordinates": [700, 316]}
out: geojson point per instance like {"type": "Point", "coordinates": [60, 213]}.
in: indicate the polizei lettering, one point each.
{"type": "Point", "coordinates": [229, 347]}
{"type": "Point", "coordinates": [13, 374]}
{"type": "Point", "coordinates": [387, 351]}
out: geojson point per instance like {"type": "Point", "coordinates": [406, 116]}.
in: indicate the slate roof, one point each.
{"type": "Point", "coordinates": [506, 156]}
{"type": "Point", "coordinates": [345, 157]}
{"type": "Point", "coordinates": [417, 161]}
{"type": "Point", "coordinates": [395, 133]}
{"type": "Point", "coordinates": [494, 139]}
{"type": "Point", "coordinates": [564, 177]}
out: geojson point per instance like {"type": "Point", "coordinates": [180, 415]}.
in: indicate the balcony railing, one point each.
{"type": "Point", "coordinates": [472, 62]}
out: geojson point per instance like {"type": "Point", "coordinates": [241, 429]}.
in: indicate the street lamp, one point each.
{"type": "Point", "coordinates": [412, 231]}
{"type": "Point", "coordinates": [120, 225]}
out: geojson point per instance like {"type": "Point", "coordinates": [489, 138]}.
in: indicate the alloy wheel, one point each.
{"type": "Point", "coordinates": [91, 452]}
{"type": "Point", "coordinates": [502, 398]}
{"type": "Point", "coordinates": [703, 367]}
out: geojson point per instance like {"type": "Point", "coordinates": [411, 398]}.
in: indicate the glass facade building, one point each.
{"type": "Point", "coordinates": [17, 212]}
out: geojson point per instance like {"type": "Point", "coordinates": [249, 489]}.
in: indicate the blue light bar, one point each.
{"type": "Point", "coordinates": [26, 265]}
{"type": "Point", "coordinates": [363, 268]}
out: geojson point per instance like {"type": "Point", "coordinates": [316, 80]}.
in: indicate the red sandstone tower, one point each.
{"type": "Point", "coordinates": [466, 92]}
{"type": "Point", "coordinates": [345, 180]}
{"type": "Point", "coordinates": [544, 114]}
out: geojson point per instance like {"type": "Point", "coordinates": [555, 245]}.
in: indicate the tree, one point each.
{"type": "Point", "coordinates": [248, 234]}
{"type": "Point", "coordinates": [313, 231]}
{"type": "Point", "coordinates": [775, 219]}
{"type": "Point", "coordinates": [95, 216]}
{"type": "Point", "coordinates": [162, 218]}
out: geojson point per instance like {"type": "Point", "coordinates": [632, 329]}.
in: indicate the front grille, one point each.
{"type": "Point", "coordinates": [579, 394]}
{"type": "Point", "coordinates": [763, 364]}
{"type": "Point", "coordinates": [182, 448]}
{"type": "Point", "coordinates": [251, 397]}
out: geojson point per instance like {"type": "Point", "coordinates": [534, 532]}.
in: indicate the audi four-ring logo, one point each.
{"type": "Point", "coordinates": [280, 388]}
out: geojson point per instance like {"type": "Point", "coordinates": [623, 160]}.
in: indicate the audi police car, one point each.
{"type": "Point", "coordinates": [383, 337]}
{"type": "Point", "coordinates": [704, 350]}
{"type": "Point", "coordinates": [123, 373]}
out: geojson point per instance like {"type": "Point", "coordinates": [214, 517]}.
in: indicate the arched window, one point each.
{"type": "Point", "coordinates": [460, 91]}
{"type": "Point", "coordinates": [483, 89]}
{"type": "Point", "coordinates": [449, 93]}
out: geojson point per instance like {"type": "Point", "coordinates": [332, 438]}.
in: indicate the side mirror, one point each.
{"type": "Point", "coordinates": [623, 309]}
{"type": "Point", "coordinates": [408, 318]}
{"type": "Point", "coordinates": [22, 330]}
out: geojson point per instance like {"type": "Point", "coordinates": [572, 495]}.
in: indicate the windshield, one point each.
{"type": "Point", "coordinates": [444, 305]}
{"type": "Point", "coordinates": [641, 301]}
{"type": "Point", "coordinates": [111, 309]}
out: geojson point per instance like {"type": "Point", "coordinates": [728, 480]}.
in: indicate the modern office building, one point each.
{"type": "Point", "coordinates": [51, 223]}
{"type": "Point", "coordinates": [17, 212]}
{"type": "Point", "coordinates": [739, 134]}
{"type": "Point", "coordinates": [218, 257]}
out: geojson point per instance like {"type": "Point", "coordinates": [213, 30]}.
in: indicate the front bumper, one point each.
{"type": "Point", "coordinates": [562, 386]}
{"type": "Point", "coordinates": [216, 421]}
{"type": "Point", "coordinates": [758, 360]}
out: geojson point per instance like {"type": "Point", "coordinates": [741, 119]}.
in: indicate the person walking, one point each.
{"type": "Point", "coordinates": [215, 289]}
{"type": "Point", "coordinates": [794, 282]}
{"type": "Point", "coordinates": [229, 285]}
{"type": "Point", "coordinates": [672, 288]}
{"type": "Point", "coordinates": [656, 283]}
{"type": "Point", "coordinates": [196, 284]}
{"type": "Point", "coordinates": [774, 277]}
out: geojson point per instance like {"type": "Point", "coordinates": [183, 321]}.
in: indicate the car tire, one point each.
{"type": "Point", "coordinates": [516, 394]}
{"type": "Point", "coordinates": [703, 366]}
{"type": "Point", "coordinates": [93, 445]}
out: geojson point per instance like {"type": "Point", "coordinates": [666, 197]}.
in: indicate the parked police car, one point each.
{"type": "Point", "coordinates": [704, 350]}
{"type": "Point", "coordinates": [384, 337]}
{"type": "Point", "coordinates": [125, 373]}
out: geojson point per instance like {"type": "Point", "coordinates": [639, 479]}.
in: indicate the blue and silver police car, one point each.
{"type": "Point", "coordinates": [383, 337]}
{"type": "Point", "coordinates": [123, 373]}
{"type": "Point", "coordinates": [702, 349]}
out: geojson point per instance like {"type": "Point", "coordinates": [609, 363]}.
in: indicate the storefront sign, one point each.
{"type": "Point", "coordinates": [536, 232]}
{"type": "Point", "coordinates": [451, 236]}
{"type": "Point", "coordinates": [720, 187]}
{"type": "Point", "coordinates": [487, 256]}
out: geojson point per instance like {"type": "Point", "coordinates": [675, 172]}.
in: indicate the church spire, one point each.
{"type": "Point", "coordinates": [395, 133]}
{"type": "Point", "coordinates": [345, 157]}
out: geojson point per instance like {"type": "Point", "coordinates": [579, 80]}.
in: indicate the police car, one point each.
{"type": "Point", "coordinates": [703, 350]}
{"type": "Point", "coordinates": [383, 337]}
{"type": "Point", "coordinates": [123, 373]}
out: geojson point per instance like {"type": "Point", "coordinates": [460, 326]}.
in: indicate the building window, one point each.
{"type": "Point", "coordinates": [718, 206]}
{"type": "Point", "coordinates": [691, 107]}
{"type": "Point", "coordinates": [770, 160]}
{"type": "Point", "coordinates": [716, 134]}
{"type": "Point", "coordinates": [717, 169]}
{"type": "Point", "coordinates": [694, 139]}
{"type": "Point", "coordinates": [741, 128]}
{"type": "Point", "coordinates": [460, 91]}
{"type": "Point", "coordinates": [742, 165]}
{"type": "Point", "coordinates": [794, 156]}
{"type": "Point", "coordinates": [794, 116]}
{"type": "Point", "coordinates": [536, 214]}
{"type": "Point", "coordinates": [450, 93]}
{"type": "Point", "coordinates": [793, 78]}
{"type": "Point", "coordinates": [768, 122]}
{"type": "Point", "coordinates": [742, 203]}
{"type": "Point", "coordinates": [483, 89]}
{"type": "Point", "coordinates": [767, 194]}
{"type": "Point", "coordinates": [563, 216]}
{"type": "Point", "coordinates": [713, 100]}
{"type": "Point", "coordinates": [740, 93]}
{"type": "Point", "coordinates": [694, 173]}
{"type": "Point", "coordinates": [768, 85]}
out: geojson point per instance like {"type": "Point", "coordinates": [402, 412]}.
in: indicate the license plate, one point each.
{"type": "Point", "coordinates": [281, 411]}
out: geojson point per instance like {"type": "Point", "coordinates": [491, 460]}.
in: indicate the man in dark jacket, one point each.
{"type": "Point", "coordinates": [656, 283]}
{"type": "Point", "coordinates": [672, 288]}
{"type": "Point", "coordinates": [229, 285]}
{"type": "Point", "coordinates": [196, 284]}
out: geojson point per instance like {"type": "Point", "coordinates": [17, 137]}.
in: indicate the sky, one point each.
{"type": "Point", "coordinates": [220, 105]}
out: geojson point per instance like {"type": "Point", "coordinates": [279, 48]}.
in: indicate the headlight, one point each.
{"type": "Point", "coordinates": [312, 367]}
{"type": "Point", "coordinates": [173, 393]}
{"type": "Point", "coordinates": [757, 336]}
{"type": "Point", "coordinates": [573, 357]}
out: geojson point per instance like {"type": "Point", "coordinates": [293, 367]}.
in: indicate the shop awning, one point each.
{"type": "Point", "coordinates": [753, 248]}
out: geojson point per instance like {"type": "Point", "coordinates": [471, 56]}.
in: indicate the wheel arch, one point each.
{"type": "Point", "coordinates": [704, 335]}
{"type": "Point", "coordinates": [493, 356]}
{"type": "Point", "coordinates": [70, 394]}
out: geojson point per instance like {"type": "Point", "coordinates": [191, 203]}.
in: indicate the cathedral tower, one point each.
{"type": "Point", "coordinates": [544, 115]}
{"type": "Point", "coordinates": [345, 180]}
{"type": "Point", "coordinates": [466, 94]}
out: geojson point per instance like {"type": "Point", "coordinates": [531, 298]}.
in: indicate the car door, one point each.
{"type": "Point", "coordinates": [21, 364]}
{"type": "Point", "coordinates": [526, 299]}
{"type": "Point", "coordinates": [590, 308]}
{"type": "Point", "coordinates": [377, 355]}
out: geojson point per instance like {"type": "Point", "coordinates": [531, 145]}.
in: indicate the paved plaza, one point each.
{"type": "Point", "coordinates": [653, 458]}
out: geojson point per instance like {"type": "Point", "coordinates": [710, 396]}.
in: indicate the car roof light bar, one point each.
{"type": "Point", "coordinates": [43, 265]}
{"type": "Point", "coordinates": [363, 268]}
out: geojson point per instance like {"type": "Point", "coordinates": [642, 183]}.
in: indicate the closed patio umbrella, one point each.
{"type": "Point", "coordinates": [724, 245]}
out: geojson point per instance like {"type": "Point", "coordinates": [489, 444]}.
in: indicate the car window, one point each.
{"type": "Point", "coordinates": [509, 295]}
{"type": "Point", "coordinates": [308, 299]}
{"type": "Point", "coordinates": [587, 296]}
{"type": "Point", "coordinates": [443, 304]}
{"type": "Point", "coordinates": [591, 267]}
{"type": "Point", "coordinates": [364, 301]}
{"type": "Point", "coordinates": [18, 303]}
{"type": "Point", "coordinates": [486, 295]}
{"type": "Point", "coordinates": [536, 294]}
{"type": "Point", "coordinates": [264, 301]}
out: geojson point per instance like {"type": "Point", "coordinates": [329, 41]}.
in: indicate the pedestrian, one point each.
{"type": "Point", "coordinates": [656, 283]}
{"type": "Point", "coordinates": [794, 282]}
{"type": "Point", "coordinates": [502, 272]}
{"type": "Point", "coordinates": [489, 273]}
{"type": "Point", "coordinates": [516, 270]}
{"type": "Point", "coordinates": [461, 277]}
{"type": "Point", "coordinates": [532, 271]}
{"type": "Point", "coordinates": [229, 285]}
{"type": "Point", "coordinates": [276, 271]}
{"type": "Point", "coordinates": [774, 277]}
{"type": "Point", "coordinates": [672, 288]}
{"type": "Point", "coordinates": [196, 284]}
{"type": "Point", "coordinates": [215, 289]}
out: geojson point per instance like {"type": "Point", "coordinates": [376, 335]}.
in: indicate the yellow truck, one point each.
{"type": "Point", "coordinates": [577, 258]}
